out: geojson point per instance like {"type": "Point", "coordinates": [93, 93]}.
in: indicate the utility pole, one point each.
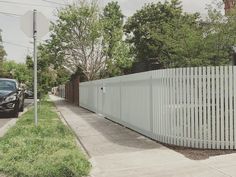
{"type": "Point", "coordinates": [35, 68]}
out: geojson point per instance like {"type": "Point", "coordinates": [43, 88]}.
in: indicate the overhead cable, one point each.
{"type": "Point", "coordinates": [15, 44]}
{"type": "Point", "coordinates": [24, 4]}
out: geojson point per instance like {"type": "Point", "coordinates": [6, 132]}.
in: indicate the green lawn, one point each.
{"type": "Point", "coordinates": [46, 151]}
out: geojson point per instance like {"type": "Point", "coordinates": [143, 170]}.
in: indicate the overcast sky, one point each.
{"type": "Point", "coordinates": [17, 45]}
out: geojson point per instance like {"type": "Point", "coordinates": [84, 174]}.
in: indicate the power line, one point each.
{"type": "Point", "coordinates": [54, 2]}
{"type": "Point", "coordinates": [15, 44]}
{"type": "Point", "coordinates": [10, 14]}
{"type": "Point", "coordinates": [24, 4]}
{"type": "Point", "coordinates": [15, 15]}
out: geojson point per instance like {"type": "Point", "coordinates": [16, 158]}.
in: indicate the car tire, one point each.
{"type": "Point", "coordinates": [15, 113]}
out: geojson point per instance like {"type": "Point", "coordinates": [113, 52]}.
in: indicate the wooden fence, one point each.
{"type": "Point", "coordinates": [69, 91]}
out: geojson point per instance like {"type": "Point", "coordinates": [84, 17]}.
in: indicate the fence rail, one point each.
{"type": "Point", "coordinates": [191, 107]}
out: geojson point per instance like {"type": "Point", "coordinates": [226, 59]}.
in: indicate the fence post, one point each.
{"type": "Point", "coordinates": [121, 99]}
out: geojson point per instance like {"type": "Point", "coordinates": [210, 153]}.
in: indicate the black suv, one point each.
{"type": "Point", "coordinates": [11, 97]}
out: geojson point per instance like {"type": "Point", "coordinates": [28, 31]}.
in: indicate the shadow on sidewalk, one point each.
{"type": "Point", "coordinates": [118, 134]}
{"type": "Point", "coordinates": [113, 132]}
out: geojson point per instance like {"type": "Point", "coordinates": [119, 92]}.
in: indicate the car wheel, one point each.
{"type": "Point", "coordinates": [15, 113]}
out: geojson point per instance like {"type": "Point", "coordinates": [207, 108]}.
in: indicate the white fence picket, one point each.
{"type": "Point", "coordinates": [226, 78]}
{"type": "Point", "coordinates": [209, 106]}
{"type": "Point", "coordinates": [169, 123]}
{"type": "Point", "coordinates": [188, 74]}
{"type": "Point", "coordinates": [204, 98]}
{"type": "Point", "coordinates": [222, 116]}
{"type": "Point", "coordinates": [213, 105]}
{"type": "Point", "coordinates": [230, 108]}
{"type": "Point", "coordinates": [177, 107]}
{"type": "Point", "coordinates": [173, 107]}
{"type": "Point", "coordinates": [200, 106]}
{"type": "Point", "coordinates": [196, 107]}
{"type": "Point", "coordinates": [184, 107]}
{"type": "Point", "coordinates": [162, 134]}
{"type": "Point", "coordinates": [192, 118]}
{"type": "Point", "coordinates": [217, 108]}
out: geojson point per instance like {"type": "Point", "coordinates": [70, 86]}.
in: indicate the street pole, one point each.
{"type": "Point", "coordinates": [30, 22]}
{"type": "Point", "coordinates": [35, 67]}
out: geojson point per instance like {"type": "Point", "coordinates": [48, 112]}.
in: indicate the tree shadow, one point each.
{"type": "Point", "coordinates": [112, 133]}
{"type": "Point", "coordinates": [124, 136]}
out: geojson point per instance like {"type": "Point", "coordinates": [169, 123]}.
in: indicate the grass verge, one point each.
{"type": "Point", "coordinates": [49, 150]}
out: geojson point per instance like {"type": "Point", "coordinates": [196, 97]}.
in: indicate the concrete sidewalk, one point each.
{"type": "Point", "coordinates": [119, 152]}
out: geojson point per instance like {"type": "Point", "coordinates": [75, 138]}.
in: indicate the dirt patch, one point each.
{"type": "Point", "coordinates": [199, 154]}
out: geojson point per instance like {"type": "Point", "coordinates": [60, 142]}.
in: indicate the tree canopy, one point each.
{"type": "Point", "coordinates": [116, 50]}
{"type": "Point", "coordinates": [87, 41]}
{"type": "Point", "coordinates": [18, 71]}
{"type": "Point", "coordinates": [162, 31]}
{"type": "Point", "coordinates": [98, 44]}
{"type": "Point", "coordinates": [78, 32]}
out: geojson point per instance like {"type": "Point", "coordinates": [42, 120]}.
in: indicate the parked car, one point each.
{"type": "Point", "coordinates": [29, 94]}
{"type": "Point", "coordinates": [11, 97]}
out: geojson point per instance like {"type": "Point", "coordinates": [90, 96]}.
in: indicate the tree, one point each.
{"type": "Point", "coordinates": [50, 73]}
{"type": "Point", "coordinates": [29, 63]}
{"type": "Point", "coordinates": [78, 31]}
{"type": "Point", "coordinates": [176, 39]}
{"type": "Point", "coordinates": [2, 55]}
{"type": "Point", "coordinates": [146, 29]}
{"type": "Point", "coordinates": [219, 35]}
{"type": "Point", "coordinates": [18, 71]}
{"type": "Point", "coordinates": [162, 31]}
{"type": "Point", "coordinates": [183, 42]}
{"type": "Point", "coordinates": [117, 51]}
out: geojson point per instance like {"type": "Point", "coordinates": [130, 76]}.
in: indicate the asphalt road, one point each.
{"type": "Point", "coordinates": [4, 118]}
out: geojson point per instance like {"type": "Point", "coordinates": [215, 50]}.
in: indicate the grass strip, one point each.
{"type": "Point", "coordinates": [48, 150]}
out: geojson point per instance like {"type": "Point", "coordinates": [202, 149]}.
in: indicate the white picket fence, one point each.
{"type": "Point", "coordinates": [191, 107]}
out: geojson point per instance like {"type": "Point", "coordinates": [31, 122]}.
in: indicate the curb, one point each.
{"type": "Point", "coordinates": [78, 141]}
{"type": "Point", "coordinates": [79, 144]}
{"type": "Point", "coordinates": [12, 122]}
